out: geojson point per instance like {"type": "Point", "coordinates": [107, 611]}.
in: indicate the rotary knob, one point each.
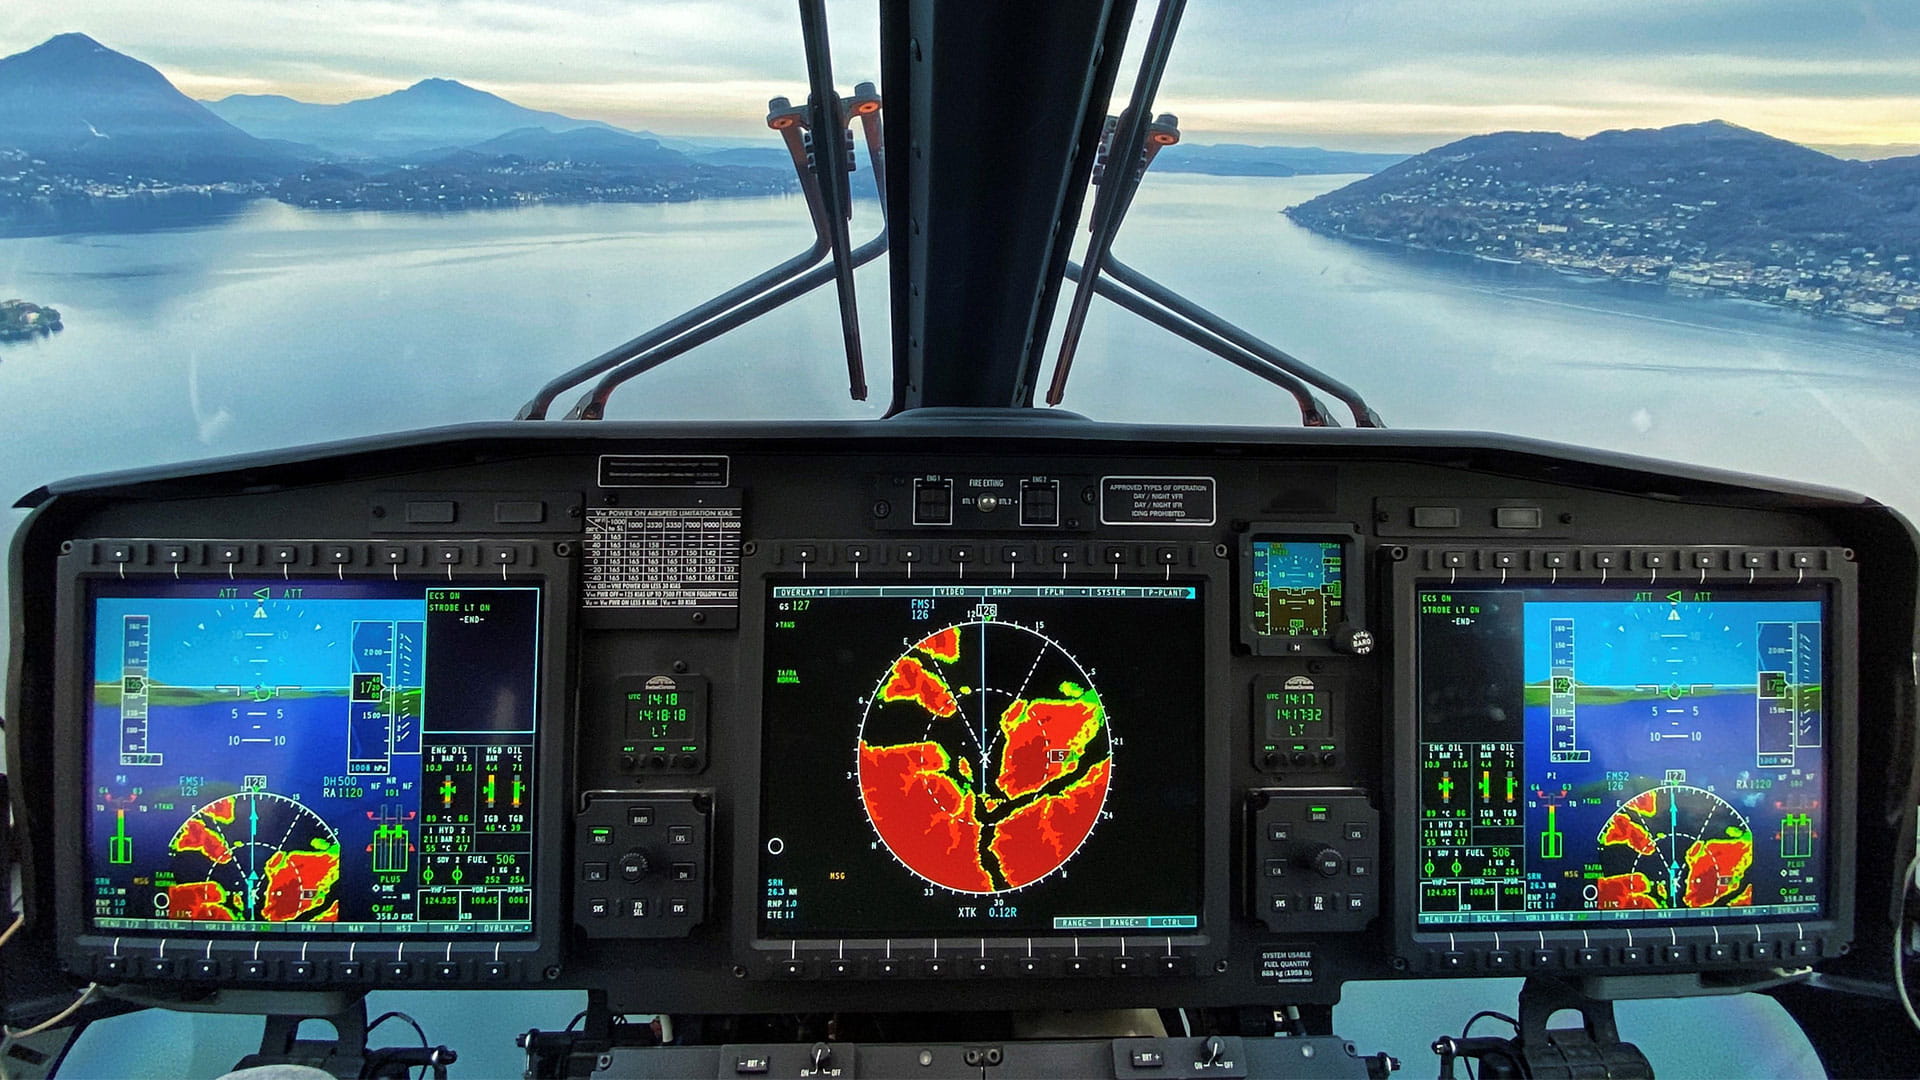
{"type": "Point", "coordinates": [634, 865]}
{"type": "Point", "coordinates": [1326, 859]}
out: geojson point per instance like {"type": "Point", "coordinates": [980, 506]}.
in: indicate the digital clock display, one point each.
{"type": "Point", "coordinates": [1298, 714]}
{"type": "Point", "coordinates": [666, 722]}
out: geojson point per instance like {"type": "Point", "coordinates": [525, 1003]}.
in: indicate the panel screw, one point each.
{"type": "Point", "coordinates": [882, 508]}
{"type": "Point", "coordinates": [379, 511]}
{"type": "Point", "coordinates": [1566, 519]}
{"type": "Point", "coordinates": [679, 667]}
{"type": "Point", "coordinates": [699, 616]}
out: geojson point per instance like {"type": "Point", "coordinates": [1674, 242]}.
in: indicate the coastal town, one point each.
{"type": "Point", "coordinates": [20, 320]}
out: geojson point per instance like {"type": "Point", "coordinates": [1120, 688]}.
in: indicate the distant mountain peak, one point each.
{"type": "Point", "coordinates": [447, 88]}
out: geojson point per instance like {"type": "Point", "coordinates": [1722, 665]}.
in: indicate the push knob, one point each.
{"type": "Point", "coordinates": [1326, 859]}
{"type": "Point", "coordinates": [634, 865]}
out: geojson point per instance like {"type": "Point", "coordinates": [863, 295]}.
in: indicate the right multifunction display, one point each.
{"type": "Point", "coordinates": [1619, 755]}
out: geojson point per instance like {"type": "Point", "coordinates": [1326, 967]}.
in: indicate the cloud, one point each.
{"type": "Point", "coordinates": [1411, 72]}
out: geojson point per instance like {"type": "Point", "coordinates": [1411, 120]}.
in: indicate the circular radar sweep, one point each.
{"type": "Point", "coordinates": [1674, 846]}
{"type": "Point", "coordinates": [984, 757]}
{"type": "Point", "coordinates": [251, 856]}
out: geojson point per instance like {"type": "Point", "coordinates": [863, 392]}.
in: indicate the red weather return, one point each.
{"type": "Point", "coordinates": [984, 757]}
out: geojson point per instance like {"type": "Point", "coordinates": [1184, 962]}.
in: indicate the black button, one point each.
{"type": "Point", "coordinates": [394, 555]}
{"type": "Point", "coordinates": [298, 971]}
{"type": "Point", "coordinates": [501, 555]}
{"type": "Point", "coordinates": [685, 871]}
{"type": "Point", "coordinates": [1654, 560]}
{"type": "Point", "coordinates": [1280, 830]}
{"type": "Point", "coordinates": [1762, 950]}
{"type": "Point", "coordinates": [937, 966]}
{"type": "Point", "coordinates": [1453, 559]}
{"type": "Point", "coordinates": [1803, 560]}
{"type": "Point", "coordinates": [1281, 902]}
{"type": "Point", "coordinates": [1301, 757]}
{"type": "Point", "coordinates": [1166, 556]}
{"type": "Point", "coordinates": [1555, 560]}
{"type": "Point", "coordinates": [1754, 560]}
{"type": "Point", "coordinates": [1499, 960]}
{"type": "Point", "coordinates": [640, 815]}
{"type": "Point", "coordinates": [806, 553]}
{"type": "Point", "coordinates": [1633, 954]}
{"type": "Point", "coordinates": [519, 513]}
{"type": "Point", "coordinates": [1355, 830]}
{"type": "Point", "coordinates": [1589, 957]}
{"type": "Point", "coordinates": [889, 969]}
{"type": "Point", "coordinates": [112, 967]}
{"type": "Point", "coordinates": [1717, 953]}
{"type": "Point", "coordinates": [594, 871]}
{"type": "Point", "coordinates": [1320, 903]}
{"type": "Point", "coordinates": [1039, 503]}
{"type": "Point", "coordinates": [680, 834]}
{"type": "Point", "coordinates": [1064, 554]}
{"type": "Point", "coordinates": [1544, 957]}
{"type": "Point", "coordinates": [227, 553]}
{"type": "Point", "coordinates": [1079, 965]}
{"type": "Point", "coordinates": [840, 969]}
{"type": "Point", "coordinates": [1604, 560]}
{"type": "Point", "coordinates": [1704, 560]}
{"type": "Point", "coordinates": [1318, 813]}
{"type": "Point", "coordinates": [397, 971]}
{"type": "Point", "coordinates": [1126, 965]}
{"type": "Point", "coordinates": [173, 553]}
{"type": "Point", "coordinates": [1013, 553]}
{"type": "Point", "coordinates": [495, 971]}
{"type": "Point", "coordinates": [1516, 517]}
{"type": "Point", "coordinates": [1506, 560]}
{"type": "Point", "coordinates": [1677, 954]}
{"type": "Point", "coordinates": [791, 969]}
{"type": "Point", "coordinates": [1172, 964]}
{"type": "Point", "coordinates": [1452, 961]}
{"type": "Point", "coordinates": [633, 866]}
{"type": "Point", "coordinates": [1801, 948]}
{"type": "Point", "coordinates": [750, 1065]}
{"type": "Point", "coordinates": [679, 908]}
{"type": "Point", "coordinates": [600, 837]}
{"type": "Point", "coordinates": [962, 553]}
{"type": "Point", "coordinates": [253, 969]}
{"type": "Point", "coordinates": [636, 907]}
{"type": "Point", "coordinates": [1030, 965]}
{"type": "Point", "coordinates": [1113, 554]}
{"type": "Point", "coordinates": [1360, 867]}
{"type": "Point", "coordinates": [1147, 1059]}
{"type": "Point", "coordinates": [982, 965]}
{"type": "Point", "coordinates": [447, 555]}
{"type": "Point", "coordinates": [157, 967]}
{"type": "Point", "coordinates": [430, 512]}
{"type": "Point", "coordinates": [118, 553]}
{"type": "Point", "coordinates": [285, 554]}
{"type": "Point", "coordinates": [599, 907]}
{"type": "Point", "coordinates": [1436, 517]}
{"type": "Point", "coordinates": [349, 970]}
{"type": "Point", "coordinates": [1276, 867]}
{"type": "Point", "coordinates": [206, 969]}
{"type": "Point", "coordinates": [339, 554]}
{"type": "Point", "coordinates": [909, 553]}
{"type": "Point", "coordinates": [1356, 903]}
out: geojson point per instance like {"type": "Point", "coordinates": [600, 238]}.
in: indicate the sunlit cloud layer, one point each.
{"type": "Point", "coordinates": [1392, 74]}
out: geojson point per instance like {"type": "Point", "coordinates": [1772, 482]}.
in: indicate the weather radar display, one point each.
{"type": "Point", "coordinates": [984, 758]}
{"type": "Point", "coordinates": [981, 760]}
{"type": "Point", "coordinates": [316, 757]}
{"type": "Point", "coordinates": [1621, 755]}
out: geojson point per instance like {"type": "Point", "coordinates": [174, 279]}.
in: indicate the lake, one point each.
{"type": "Point", "coordinates": [282, 326]}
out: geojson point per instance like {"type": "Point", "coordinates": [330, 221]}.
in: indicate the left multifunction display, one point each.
{"type": "Point", "coordinates": [311, 776]}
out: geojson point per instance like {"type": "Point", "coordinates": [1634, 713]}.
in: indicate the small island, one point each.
{"type": "Point", "coordinates": [20, 320]}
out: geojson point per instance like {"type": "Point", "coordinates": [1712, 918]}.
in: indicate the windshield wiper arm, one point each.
{"type": "Point", "coordinates": [1127, 146]}
{"type": "Point", "coordinates": [831, 152]}
{"type": "Point", "coordinates": [593, 406]}
{"type": "Point", "coordinates": [1313, 411]}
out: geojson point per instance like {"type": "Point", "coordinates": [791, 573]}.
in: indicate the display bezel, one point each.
{"type": "Point", "coordinates": [1412, 569]}
{"type": "Point", "coordinates": [1353, 586]}
{"type": "Point", "coordinates": [532, 951]}
{"type": "Point", "coordinates": [1204, 944]}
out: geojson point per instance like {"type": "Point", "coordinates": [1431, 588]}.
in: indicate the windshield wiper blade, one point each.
{"type": "Point", "coordinates": [790, 122]}
{"type": "Point", "coordinates": [1313, 411]}
{"type": "Point", "coordinates": [593, 405]}
{"type": "Point", "coordinates": [831, 153]}
{"type": "Point", "coordinates": [1363, 414]}
{"type": "Point", "coordinates": [1128, 145]}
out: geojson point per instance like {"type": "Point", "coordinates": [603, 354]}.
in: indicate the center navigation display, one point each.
{"type": "Point", "coordinates": [982, 761]}
{"type": "Point", "coordinates": [311, 757]}
{"type": "Point", "coordinates": [1619, 755]}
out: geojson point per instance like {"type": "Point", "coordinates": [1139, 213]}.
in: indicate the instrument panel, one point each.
{"type": "Point", "coordinates": [856, 715]}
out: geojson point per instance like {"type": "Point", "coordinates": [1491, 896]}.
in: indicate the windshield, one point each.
{"type": "Point", "coordinates": [1684, 230]}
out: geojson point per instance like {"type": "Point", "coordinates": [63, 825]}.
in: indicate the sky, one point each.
{"type": "Point", "coordinates": [1400, 75]}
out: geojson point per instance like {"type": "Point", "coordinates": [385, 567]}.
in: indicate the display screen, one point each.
{"type": "Point", "coordinates": [311, 757]}
{"type": "Point", "coordinates": [982, 761]}
{"type": "Point", "coordinates": [1621, 755]}
{"type": "Point", "coordinates": [1297, 586]}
